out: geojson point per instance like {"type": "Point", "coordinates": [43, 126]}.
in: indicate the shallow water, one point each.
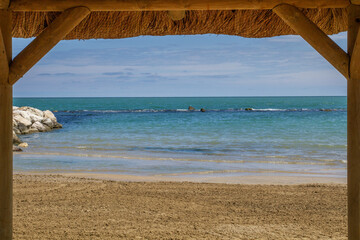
{"type": "Point", "coordinates": [152, 136]}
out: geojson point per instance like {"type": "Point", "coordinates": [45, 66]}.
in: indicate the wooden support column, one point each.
{"type": "Point", "coordinates": [353, 103]}
{"type": "Point", "coordinates": [6, 155]}
{"type": "Point", "coordinates": [48, 39]}
{"type": "Point", "coordinates": [315, 37]}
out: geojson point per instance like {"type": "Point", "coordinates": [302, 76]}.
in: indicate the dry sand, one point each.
{"type": "Point", "coordinates": [60, 207]}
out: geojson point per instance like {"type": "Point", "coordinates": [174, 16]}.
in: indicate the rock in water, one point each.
{"type": "Point", "coordinates": [190, 108]}
{"type": "Point", "coordinates": [202, 110]}
{"type": "Point", "coordinates": [40, 127]}
{"type": "Point", "coordinates": [57, 125]}
{"type": "Point", "coordinates": [16, 149]}
{"type": "Point", "coordinates": [48, 123]}
{"type": "Point", "coordinates": [23, 145]}
{"type": "Point", "coordinates": [48, 114]}
{"type": "Point", "coordinates": [16, 139]}
{"type": "Point", "coordinates": [28, 120]}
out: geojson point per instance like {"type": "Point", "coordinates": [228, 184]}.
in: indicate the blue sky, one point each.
{"type": "Point", "coordinates": [202, 65]}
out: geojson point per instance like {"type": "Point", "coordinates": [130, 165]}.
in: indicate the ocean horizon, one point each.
{"type": "Point", "coordinates": [152, 136]}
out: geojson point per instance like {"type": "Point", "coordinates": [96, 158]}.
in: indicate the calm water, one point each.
{"type": "Point", "coordinates": [158, 136]}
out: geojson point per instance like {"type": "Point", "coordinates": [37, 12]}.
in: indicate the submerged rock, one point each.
{"type": "Point", "coordinates": [16, 139]}
{"type": "Point", "coordinates": [202, 110]}
{"type": "Point", "coordinates": [190, 108]}
{"type": "Point", "coordinates": [248, 109]}
{"type": "Point", "coordinates": [23, 145]}
{"type": "Point", "coordinates": [16, 149]}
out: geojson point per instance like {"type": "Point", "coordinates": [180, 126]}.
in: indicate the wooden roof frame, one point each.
{"type": "Point", "coordinates": [165, 5]}
{"type": "Point", "coordinates": [74, 11]}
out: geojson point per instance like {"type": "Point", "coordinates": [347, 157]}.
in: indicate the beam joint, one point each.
{"type": "Point", "coordinates": [311, 33]}
{"type": "Point", "coordinates": [4, 4]}
{"type": "Point", "coordinates": [43, 43]}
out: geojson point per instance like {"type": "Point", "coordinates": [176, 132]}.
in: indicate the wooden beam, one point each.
{"type": "Point", "coordinates": [41, 45]}
{"type": "Point", "coordinates": [315, 37]}
{"type": "Point", "coordinates": [355, 2]}
{"type": "Point", "coordinates": [6, 155]}
{"type": "Point", "coordinates": [171, 5]}
{"type": "Point", "coordinates": [177, 15]}
{"type": "Point", "coordinates": [353, 131]}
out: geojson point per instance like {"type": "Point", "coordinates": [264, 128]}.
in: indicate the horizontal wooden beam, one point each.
{"type": "Point", "coordinates": [171, 5]}
{"type": "Point", "coordinates": [355, 2]}
{"type": "Point", "coordinates": [315, 37]}
{"type": "Point", "coordinates": [42, 44]}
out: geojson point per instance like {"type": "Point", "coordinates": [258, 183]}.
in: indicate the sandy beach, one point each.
{"type": "Point", "coordinates": [68, 207]}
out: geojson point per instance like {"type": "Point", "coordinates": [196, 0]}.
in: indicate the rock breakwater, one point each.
{"type": "Point", "coordinates": [28, 120]}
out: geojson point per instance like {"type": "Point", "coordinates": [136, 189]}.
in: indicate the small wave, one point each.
{"type": "Point", "coordinates": [206, 110]}
{"type": "Point", "coordinates": [287, 161]}
{"type": "Point", "coordinates": [81, 147]}
{"type": "Point", "coordinates": [272, 110]}
{"type": "Point", "coordinates": [240, 171]}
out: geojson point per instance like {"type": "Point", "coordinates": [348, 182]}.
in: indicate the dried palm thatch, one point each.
{"type": "Point", "coordinates": [245, 23]}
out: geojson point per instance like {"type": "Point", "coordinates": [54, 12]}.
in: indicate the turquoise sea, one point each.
{"type": "Point", "coordinates": [159, 136]}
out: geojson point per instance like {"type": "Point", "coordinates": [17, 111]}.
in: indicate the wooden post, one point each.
{"type": "Point", "coordinates": [315, 37]}
{"type": "Point", "coordinates": [353, 97]}
{"type": "Point", "coordinates": [6, 155]}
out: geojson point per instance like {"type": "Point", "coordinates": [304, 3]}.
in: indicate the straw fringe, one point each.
{"type": "Point", "coordinates": [245, 23]}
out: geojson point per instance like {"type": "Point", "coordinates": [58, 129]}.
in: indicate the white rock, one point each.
{"type": "Point", "coordinates": [16, 149]}
{"type": "Point", "coordinates": [48, 122]}
{"type": "Point", "coordinates": [32, 130]}
{"type": "Point", "coordinates": [16, 139]}
{"type": "Point", "coordinates": [50, 115]}
{"type": "Point", "coordinates": [39, 126]}
{"type": "Point", "coordinates": [28, 120]}
{"type": "Point", "coordinates": [23, 145]}
{"type": "Point", "coordinates": [25, 115]}
{"type": "Point", "coordinates": [36, 112]}
{"type": "Point", "coordinates": [16, 112]}
{"type": "Point", "coordinates": [35, 118]}
{"type": "Point", "coordinates": [21, 120]}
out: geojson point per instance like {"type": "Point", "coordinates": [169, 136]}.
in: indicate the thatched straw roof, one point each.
{"type": "Point", "coordinates": [246, 23]}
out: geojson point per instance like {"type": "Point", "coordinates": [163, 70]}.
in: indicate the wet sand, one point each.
{"type": "Point", "coordinates": [68, 207]}
{"type": "Point", "coordinates": [210, 178]}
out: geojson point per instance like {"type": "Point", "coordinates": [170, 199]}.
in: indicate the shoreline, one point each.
{"type": "Point", "coordinates": [246, 180]}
